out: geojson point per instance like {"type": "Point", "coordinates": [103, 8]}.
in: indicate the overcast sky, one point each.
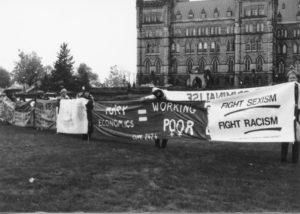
{"type": "Point", "coordinates": [99, 33]}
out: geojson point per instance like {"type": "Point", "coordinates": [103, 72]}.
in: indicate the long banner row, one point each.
{"type": "Point", "coordinates": [263, 114]}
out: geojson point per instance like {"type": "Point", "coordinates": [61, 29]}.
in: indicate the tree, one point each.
{"type": "Point", "coordinates": [28, 69]}
{"type": "Point", "coordinates": [4, 78]}
{"type": "Point", "coordinates": [117, 77]}
{"type": "Point", "coordinates": [85, 75]}
{"type": "Point", "coordinates": [63, 68]}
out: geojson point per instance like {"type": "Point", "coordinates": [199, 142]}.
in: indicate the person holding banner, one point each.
{"type": "Point", "coordinates": [292, 76]}
{"type": "Point", "coordinates": [89, 107]}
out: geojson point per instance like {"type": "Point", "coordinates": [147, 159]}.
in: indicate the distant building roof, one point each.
{"type": "Point", "coordinates": [288, 10]}
{"type": "Point", "coordinates": [209, 7]}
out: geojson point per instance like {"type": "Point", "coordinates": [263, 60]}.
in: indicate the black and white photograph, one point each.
{"type": "Point", "coordinates": [149, 106]}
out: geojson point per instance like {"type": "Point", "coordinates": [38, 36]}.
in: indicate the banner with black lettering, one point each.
{"type": "Point", "coordinates": [201, 95]}
{"type": "Point", "coordinates": [45, 114]}
{"type": "Point", "coordinates": [263, 115]}
{"type": "Point", "coordinates": [150, 119]}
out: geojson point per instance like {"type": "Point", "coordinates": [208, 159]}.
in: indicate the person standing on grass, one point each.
{"type": "Point", "coordinates": [292, 76]}
{"type": "Point", "coordinates": [89, 107]}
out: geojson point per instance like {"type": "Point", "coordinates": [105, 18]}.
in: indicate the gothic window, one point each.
{"type": "Point", "coordinates": [278, 33]}
{"type": "Point", "coordinates": [228, 29]}
{"type": "Point", "coordinates": [216, 30]}
{"type": "Point", "coordinates": [205, 46]}
{"type": "Point", "coordinates": [187, 32]}
{"type": "Point", "coordinates": [216, 13]}
{"type": "Point", "coordinates": [295, 48]}
{"type": "Point", "coordinates": [278, 49]}
{"type": "Point", "coordinates": [187, 47]}
{"type": "Point", "coordinates": [232, 45]}
{"type": "Point", "coordinates": [199, 31]}
{"type": "Point", "coordinates": [194, 32]}
{"type": "Point", "coordinates": [253, 45]}
{"type": "Point", "coordinates": [295, 32]}
{"type": "Point", "coordinates": [173, 47]}
{"type": "Point", "coordinates": [228, 45]}
{"type": "Point", "coordinates": [212, 30]}
{"type": "Point", "coordinates": [259, 63]}
{"type": "Point", "coordinates": [258, 27]}
{"type": "Point", "coordinates": [247, 28]}
{"type": "Point", "coordinates": [177, 48]}
{"type": "Point", "coordinates": [247, 64]}
{"type": "Point", "coordinates": [254, 12]}
{"type": "Point", "coordinates": [202, 65]}
{"type": "Point", "coordinates": [230, 65]}
{"type": "Point", "coordinates": [219, 29]}
{"type": "Point", "coordinates": [148, 48]}
{"type": "Point", "coordinates": [200, 46]}
{"type": "Point", "coordinates": [258, 44]}
{"type": "Point", "coordinates": [191, 14]}
{"type": "Point", "coordinates": [213, 46]}
{"type": "Point", "coordinates": [203, 14]}
{"type": "Point", "coordinates": [284, 49]}
{"type": "Point", "coordinates": [261, 10]}
{"type": "Point", "coordinates": [229, 12]}
{"type": "Point", "coordinates": [248, 45]}
{"type": "Point", "coordinates": [189, 65]}
{"type": "Point", "coordinates": [206, 31]}
{"type": "Point", "coordinates": [215, 65]}
{"type": "Point", "coordinates": [178, 15]}
{"type": "Point", "coordinates": [158, 66]}
{"type": "Point", "coordinates": [281, 67]}
{"type": "Point", "coordinates": [261, 27]}
{"type": "Point", "coordinates": [174, 66]}
{"type": "Point", "coordinates": [297, 66]}
{"type": "Point", "coordinates": [285, 33]}
{"type": "Point", "coordinates": [147, 66]}
{"type": "Point", "coordinates": [217, 47]}
{"type": "Point", "coordinates": [250, 28]}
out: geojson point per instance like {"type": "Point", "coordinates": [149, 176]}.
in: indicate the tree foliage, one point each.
{"type": "Point", "coordinates": [116, 78]}
{"type": "Point", "coordinates": [28, 69]}
{"type": "Point", "coordinates": [63, 68]}
{"type": "Point", "coordinates": [85, 75]}
{"type": "Point", "coordinates": [4, 78]}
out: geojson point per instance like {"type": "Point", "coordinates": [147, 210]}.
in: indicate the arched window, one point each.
{"type": "Point", "coordinates": [279, 49]}
{"type": "Point", "coordinates": [213, 46]}
{"type": "Point", "coordinates": [295, 48]}
{"type": "Point", "coordinates": [189, 65]}
{"type": "Point", "coordinates": [284, 49]}
{"type": "Point", "coordinates": [248, 45]}
{"type": "Point", "coordinates": [232, 45]}
{"type": "Point", "coordinates": [201, 65]}
{"type": "Point", "coordinates": [147, 66]}
{"type": "Point", "coordinates": [247, 64]}
{"type": "Point", "coordinates": [158, 66]}
{"type": "Point", "coordinates": [200, 46]}
{"type": "Point", "coordinates": [205, 46]}
{"type": "Point", "coordinates": [230, 65]}
{"type": "Point", "coordinates": [297, 66]}
{"type": "Point", "coordinates": [148, 48]}
{"type": "Point", "coordinates": [285, 33]}
{"type": "Point", "coordinates": [177, 48]}
{"type": "Point", "coordinates": [174, 66]}
{"type": "Point", "coordinates": [187, 47]}
{"type": "Point", "coordinates": [215, 65]}
{"type": "Point", "coordinates": [191, 14]}
{"type": "Point", "coordinates": [216, 13]}
{"type": "Point", "coordinates": [203, 14]}
{"type": "Point", "coordinates": [173, 47]}
{"type": "Point", "coordinates": [259, 64]}
{"type": "Point", "coordinates": [228, 45]}
{"type": "Point", "coordinates": [281, 67]}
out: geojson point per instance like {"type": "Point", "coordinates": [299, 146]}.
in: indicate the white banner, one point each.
{"type": "Point", "coordinates": [263, 115]}
{"type": "Point", "coordinates": [201, 95]}
{"type": "Point", "coordinates": [72, 117]}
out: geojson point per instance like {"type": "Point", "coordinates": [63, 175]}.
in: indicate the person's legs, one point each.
{"type": "Point", "coordinates": [164, 143]}
{"type": "Point", "coordinates": [295, 152]}
{"type": "Point", "coordinates": [284, 151]}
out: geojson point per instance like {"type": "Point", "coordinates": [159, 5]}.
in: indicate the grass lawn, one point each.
{"type": "Point", "coordinates": [109, 176]}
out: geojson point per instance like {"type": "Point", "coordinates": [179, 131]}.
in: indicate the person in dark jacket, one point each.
{"type": "Point", "coordinates": [89, 108]}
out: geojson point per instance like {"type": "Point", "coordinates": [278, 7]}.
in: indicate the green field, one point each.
{"type": "Point", "coordinates": [109, 176]}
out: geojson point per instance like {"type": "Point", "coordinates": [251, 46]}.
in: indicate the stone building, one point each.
{"type": "Point", "coordinates": [231, 43]}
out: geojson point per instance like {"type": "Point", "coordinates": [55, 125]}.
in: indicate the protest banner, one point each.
{"type": "Point", "coordinates": [201, 95]}
{"type": "Point", "coordinates": [263, 115]}
{"type": "Point", "coordinates": [149, 119]}
{"type": "Point", "coordinates": [1, 109]}
{"type": "Point", "coordinates": [72, 117]}
{"type": "Point", "coordinates": [9, 110]}
{"type": "Point", "coordinates": [23, 114]}
{"type": "Point", "coordinates": [45, 114]}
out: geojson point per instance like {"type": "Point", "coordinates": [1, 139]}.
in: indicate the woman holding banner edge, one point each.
{"type": "Point", "coordinates": [292, 76]}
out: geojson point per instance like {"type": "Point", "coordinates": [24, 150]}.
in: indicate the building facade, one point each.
{"type": "Point", "coordinates": [228, 43]}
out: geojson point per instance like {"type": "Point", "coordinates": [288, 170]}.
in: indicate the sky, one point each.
{"type": "Point", "coordinates": [99, 33]}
